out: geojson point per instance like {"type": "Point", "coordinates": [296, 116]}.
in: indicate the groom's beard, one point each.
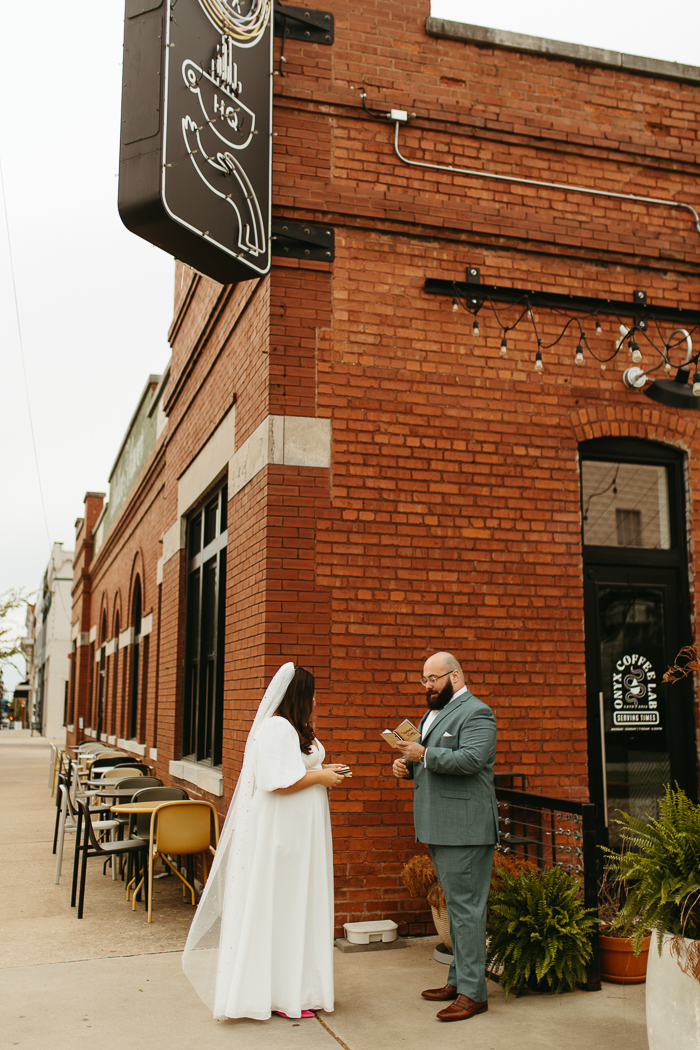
{"type": "Point", "coordinates": [436, 701]}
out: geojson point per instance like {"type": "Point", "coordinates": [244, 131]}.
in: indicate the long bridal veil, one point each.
{"type": "Point", "coordinates": [207, 961]}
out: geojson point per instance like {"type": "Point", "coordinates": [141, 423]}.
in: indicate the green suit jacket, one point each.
{"type": "Point", "coordinates": [454, 802]}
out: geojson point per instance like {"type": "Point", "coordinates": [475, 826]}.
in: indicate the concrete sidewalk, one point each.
{"type": "Point", "coordinates": [111, 980]}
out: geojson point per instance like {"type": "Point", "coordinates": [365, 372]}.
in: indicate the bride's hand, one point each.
{"type": "Point", "coordinates": [329, 778]}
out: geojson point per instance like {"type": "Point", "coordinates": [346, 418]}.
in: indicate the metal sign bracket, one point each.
{"type": "Point", "coordinates": [301, 23]}
{"type": "Point", "coordinates": [302, 241]}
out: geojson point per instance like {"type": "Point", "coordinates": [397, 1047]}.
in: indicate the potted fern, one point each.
{"type": "Point", "coordinates": [661, 864]}
{"type": "Point", "coordinates": [539, 931]}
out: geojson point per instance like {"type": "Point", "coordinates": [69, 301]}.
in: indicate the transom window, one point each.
{"type": "Point", "coordinates": [202, 723]}
{"type": "Point", "coordinates": [625, 505]}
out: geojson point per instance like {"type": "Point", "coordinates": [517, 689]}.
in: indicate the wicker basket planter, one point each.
{"type": "Point", "coordinates": [442, 925]}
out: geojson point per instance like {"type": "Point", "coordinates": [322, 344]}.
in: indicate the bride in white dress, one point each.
{"type": "Point", "coordinates": [261, 940]}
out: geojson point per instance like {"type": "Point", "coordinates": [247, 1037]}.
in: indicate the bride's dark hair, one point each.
{"type": "Point", "coordinates": [297, 705]}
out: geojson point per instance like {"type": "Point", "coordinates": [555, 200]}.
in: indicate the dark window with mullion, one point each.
{"type": "Point", "coordinates": [204, 637]}
{"type": "Point", "coordinates": [189, 745]}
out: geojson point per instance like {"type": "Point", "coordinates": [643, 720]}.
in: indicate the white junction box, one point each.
{"type": "Point", "coordinates": [367, 932]}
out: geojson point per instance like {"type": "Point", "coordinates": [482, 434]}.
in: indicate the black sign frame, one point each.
{"type": "Point", "coordinates": [196, 145]}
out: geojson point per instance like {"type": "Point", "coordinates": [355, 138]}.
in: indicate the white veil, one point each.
{"type": "Point", "coordinates": [224, 889]}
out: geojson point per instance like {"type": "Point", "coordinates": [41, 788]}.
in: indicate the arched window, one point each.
{"type": "Point", "coordinates": [101, 676]}
{"type": "Point", "coordinates": [115, 678]}
{"type": "Point", "coordinates": [135, 662]}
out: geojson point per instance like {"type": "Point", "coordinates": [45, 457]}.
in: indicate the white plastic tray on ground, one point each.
{"type": "Point", "coordinates": [375, 930]}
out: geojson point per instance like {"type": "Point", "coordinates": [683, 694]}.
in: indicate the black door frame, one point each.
{"type": "Point", "coordinates": [636, 560]}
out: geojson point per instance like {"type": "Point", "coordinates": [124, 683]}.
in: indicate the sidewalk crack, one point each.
{"type": "Point", "coordinates": [331, 1032]}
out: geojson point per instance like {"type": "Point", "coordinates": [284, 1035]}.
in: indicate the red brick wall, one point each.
{"type": "Point", "coordinates": [450, 516]}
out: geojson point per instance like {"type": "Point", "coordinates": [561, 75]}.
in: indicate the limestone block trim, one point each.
{"type": "Point", "coordinates": [153, 753]}
{"type": "Point", "coordinates": [203, 777]}
{"type": "Point", "coordinates": [210, 461]}
{"type": "Point", "coordinates": [111, 739]}
{"type": "Point", "coordinates": [173, 540]}
{"type": "Point", "coordinates": [93, 633]}
{"type": "Point", "coordinates": [146, 625]}
{"type": "Point", "coordinates": [133, 746]}
{"type": "Point", "coordinates": [82, 639]}
{"type": "Point", "coordinates": [111, 646]}
{"type": "Point", "coordinates": [126, 638]}
{"type": "Point", "coordinates": [299, 441]}
{"type": "Point", "coordinates": [159, 571]}
{"type": "Point", "coordinates": [75, 631]}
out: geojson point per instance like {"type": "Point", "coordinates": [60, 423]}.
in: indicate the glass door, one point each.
{"type": "Point", "coordinates": [634, 623]}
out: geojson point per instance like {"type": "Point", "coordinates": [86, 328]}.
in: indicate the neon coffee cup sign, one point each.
{"type": "Point", "coordinates": [195, 163]}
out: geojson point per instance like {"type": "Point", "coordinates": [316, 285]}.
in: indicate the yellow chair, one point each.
{"type": "Point", "coordinates": [180, 828]}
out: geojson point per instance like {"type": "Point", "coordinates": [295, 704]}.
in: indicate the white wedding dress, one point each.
{"type": "Point", "coordinates": [272, 948]}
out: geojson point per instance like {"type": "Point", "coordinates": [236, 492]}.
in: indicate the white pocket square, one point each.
{"type": "Point", "coordinates": [447, 734]}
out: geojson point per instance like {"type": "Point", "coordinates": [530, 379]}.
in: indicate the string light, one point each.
{"type": "Point", "coordinates": [627, 335]}
{"type": "Point", "coordinates": [696, 384]}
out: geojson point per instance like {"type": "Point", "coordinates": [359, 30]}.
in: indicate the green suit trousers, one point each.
{"type": "Point", "coordinates": [464, 873]}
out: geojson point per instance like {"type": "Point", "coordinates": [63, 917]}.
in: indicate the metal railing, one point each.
{"type": "Point", "coordinates": [554, 832]}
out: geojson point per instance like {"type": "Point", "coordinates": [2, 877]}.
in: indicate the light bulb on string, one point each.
{"type": "Point", "coordinates": [538, 361]}
{"type": "Point", "coordinates": [579, 355]}
{"type": "Point", "coordinates": [667, 366]}
{"type": "Point", "coordinates": [636, 352]}
{"type": "Point", "coordinates": [455, 305]}
{"type": "Point", "coordinates": [504, 346]}
{"type": "Point", "coordinates": [696, 384]}
{"type": "Point", "coordinates": [602, 368]}
{"type": "Point", "coordinates": [598, 327]}
{"type": "Point", "coordinates": [475, 328]}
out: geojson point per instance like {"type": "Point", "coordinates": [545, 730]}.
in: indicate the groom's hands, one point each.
{"type": "Point", "coordinates": [399, 768]}
{"type": "Point", "coordinates": [412, 751]}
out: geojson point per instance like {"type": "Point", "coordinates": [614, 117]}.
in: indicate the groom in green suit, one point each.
{"type": "Point", "coordinates": [455, 813]}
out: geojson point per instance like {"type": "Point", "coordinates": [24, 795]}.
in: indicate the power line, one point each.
{"type": "Point", "coordinates": [26, 383]}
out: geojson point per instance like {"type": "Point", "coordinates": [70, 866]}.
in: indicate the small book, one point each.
{"type": "Point", "coordinates": [406, 731]}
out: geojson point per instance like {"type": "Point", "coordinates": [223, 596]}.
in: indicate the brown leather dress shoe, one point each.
{"type": "Point", "coordinates": [462, 1009]}
{"type": "Point", "coordinates": [440, 995]}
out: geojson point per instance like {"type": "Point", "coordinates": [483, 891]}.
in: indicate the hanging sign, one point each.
{"type": "Point", "coordinates": [635, 704]}
{"type": "Point", "coordinates": [195, 160]}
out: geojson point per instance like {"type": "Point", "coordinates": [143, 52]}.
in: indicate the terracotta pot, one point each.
{"type": "Point", "coordinates": [442, 925]}
{"type": "Point", "coordinates": [619, 964]}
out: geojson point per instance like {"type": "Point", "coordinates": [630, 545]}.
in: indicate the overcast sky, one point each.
{"type": "Point", "coordinates": [94, 300]}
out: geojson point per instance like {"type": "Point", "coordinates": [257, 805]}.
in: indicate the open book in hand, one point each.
{"type": "Point", "coordinates": [406, 731]}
